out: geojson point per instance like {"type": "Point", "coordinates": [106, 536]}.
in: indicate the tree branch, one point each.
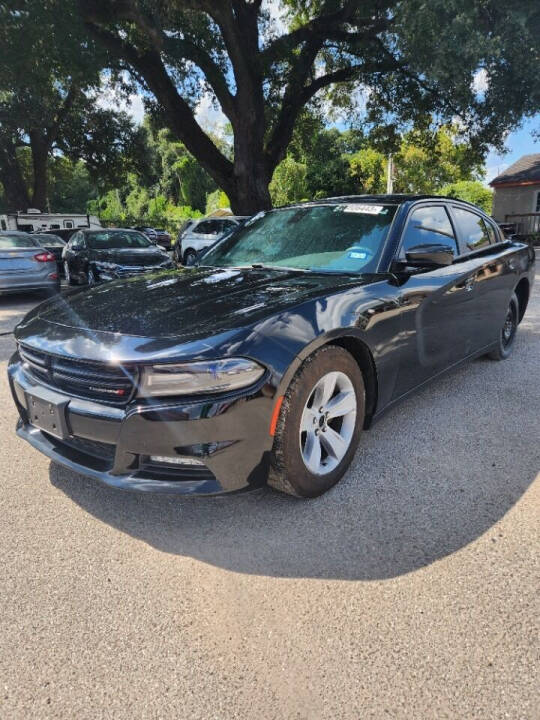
{"type": "Point", "coordinates": [179, 114]}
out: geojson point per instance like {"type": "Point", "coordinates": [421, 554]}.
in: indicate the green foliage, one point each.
{"type": "Point", "coordinates": [289, 182]}
{"type": "Point", "coordinates": [427, 159]}
{"type": "Point", "coordinates": [367, 168]}
{"type": "Point", "coordinates": [472, 191]}
{"type": "Point", "coordinates": [216, 200]}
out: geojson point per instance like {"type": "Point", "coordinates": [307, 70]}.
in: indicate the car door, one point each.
{"type": "Point", "coordinates": [205, 233]}
{"type": "Point", "coordinates": [483, 250]}
{"type": "Point", "coordinates": [77, 255]}
{"type": "Point", "coordinates": [437, 312]}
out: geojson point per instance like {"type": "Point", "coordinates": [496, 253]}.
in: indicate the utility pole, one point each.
{"type": "Point", "coordinates": [390, 175]}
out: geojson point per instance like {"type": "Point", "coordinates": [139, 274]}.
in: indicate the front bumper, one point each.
{"type": "Point", "coordinates": [224, 445]}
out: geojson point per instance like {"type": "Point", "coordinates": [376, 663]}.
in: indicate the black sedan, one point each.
{"type": "Point", "coordinates": [268, 361]}
{"type": "Point", "coordinates": [92, 256]}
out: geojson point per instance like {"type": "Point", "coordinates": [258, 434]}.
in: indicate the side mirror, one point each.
{"type": "Point", "coordinates": [432, 255]}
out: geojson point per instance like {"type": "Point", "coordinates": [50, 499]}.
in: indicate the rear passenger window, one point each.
{"type": "Point", "coordinates": [472, 229]}
{"type": "Point", "coordinates": [428, 226]}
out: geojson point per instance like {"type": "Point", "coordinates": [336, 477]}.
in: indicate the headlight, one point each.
{"type": "Point", "coordinates": [199, 377]}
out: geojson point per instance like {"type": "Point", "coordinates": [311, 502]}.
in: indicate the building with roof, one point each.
{"type": "Point", "coordinates": [516, 196]}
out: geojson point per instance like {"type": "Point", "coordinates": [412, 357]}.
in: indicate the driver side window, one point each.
{"type": "Point", "coordinates": [429, 225]}
{"type": "Point", "coordinates": [77, 241]}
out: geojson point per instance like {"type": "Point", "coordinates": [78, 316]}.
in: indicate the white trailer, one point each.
{"type": "Point", "coordinates": [34, 221]}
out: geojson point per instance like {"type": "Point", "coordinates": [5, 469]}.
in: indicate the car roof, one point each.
{"type": "Point", "coordinates": [112, 230]}
{"type": "Point", "coordinates": [392, 199]}
{"type": "Point", "coordinates": [13, 232]}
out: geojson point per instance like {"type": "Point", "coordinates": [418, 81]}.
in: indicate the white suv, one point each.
{"type": "Point", "coordinates": [200, 234]}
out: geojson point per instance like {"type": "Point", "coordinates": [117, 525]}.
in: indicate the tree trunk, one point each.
{"type": "Point", "coordinates": [40, 156]}
{"type": "Point", "coordinates": [11, 177]}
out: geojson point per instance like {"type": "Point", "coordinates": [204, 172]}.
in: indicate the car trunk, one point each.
{"type": "Point", "coordinates": [19, 260]}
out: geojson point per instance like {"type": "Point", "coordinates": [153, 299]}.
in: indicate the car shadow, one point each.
{"type": "Point", "coordinates": [432, 476]}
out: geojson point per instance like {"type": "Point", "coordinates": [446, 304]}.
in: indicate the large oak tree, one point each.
{"type": "Point", "coordinates": [473, 61]}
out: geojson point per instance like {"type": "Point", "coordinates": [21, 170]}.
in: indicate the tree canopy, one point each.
{"type": "Point", "coordinates": [50, 77]}
{"type": "Point", "coordinates": [475, 63]}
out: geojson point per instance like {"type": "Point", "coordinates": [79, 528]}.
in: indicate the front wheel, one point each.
{"type": "Point", "coordinates": [320, 422]}
{"type": "Point", "coordinates": [507, 334]}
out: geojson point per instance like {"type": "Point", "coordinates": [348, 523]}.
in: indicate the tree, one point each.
{"type": "Point", "coordinates": [414, 57]}
{"type": "Point", "coordinates": [427, 159]}
{"type": "Point", "coordinates": [50, 77]}
{"type": "Point", "coordinates": [472, 191]}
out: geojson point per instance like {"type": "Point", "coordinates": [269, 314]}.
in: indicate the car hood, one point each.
{"type": "Point", "coordinates": [138, 257]}
{"type": "Point", "coordinates": [169, 308]}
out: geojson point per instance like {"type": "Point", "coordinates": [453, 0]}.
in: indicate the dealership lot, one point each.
{"type": "Point", "coordinates": [409, 591]}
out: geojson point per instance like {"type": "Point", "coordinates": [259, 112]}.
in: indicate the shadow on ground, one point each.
{"type": "Point", "coordinates": [429, 478]}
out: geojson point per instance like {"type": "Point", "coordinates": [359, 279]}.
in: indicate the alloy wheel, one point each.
{"type": "Point", "coordinates": [509, 327]}
{"type": "Point", "coordinates": [327, 423]}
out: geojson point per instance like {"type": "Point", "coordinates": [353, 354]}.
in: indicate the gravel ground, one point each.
{"type": "Point", "coordinates": [409, 591]}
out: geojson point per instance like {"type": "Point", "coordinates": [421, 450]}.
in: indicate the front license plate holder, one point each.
{"type": "Point", "coordinates": [48, 413]}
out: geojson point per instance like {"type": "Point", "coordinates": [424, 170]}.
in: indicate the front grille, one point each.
{"type": "Point", "coordinates": [113, 384]}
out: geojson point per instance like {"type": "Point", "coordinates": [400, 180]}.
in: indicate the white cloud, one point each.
{"type": "Point", "coordinates": [480, 82]}
{"type": "Point", "coordinates": [210, 117]}
{"type": "Point", "coordinates": [108, 99]}
{"type": "Point", "coordinates": [492, 171]}
{"type": "Point", "coordinates": [275, 10]}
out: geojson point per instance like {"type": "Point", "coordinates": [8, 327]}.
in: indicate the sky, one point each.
{"type": "Point", "coordinates": [520, 142]}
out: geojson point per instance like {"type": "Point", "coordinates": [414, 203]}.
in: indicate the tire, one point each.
{"type": "Point", "coordinates": [90, 277]}
{"type": "Point", "coordinates": [296, 467]}
{"type": "Point", "coordinates": [190, 257]}
{"type": "Point", "coordinates": [507, 334]}
{"type": "Point", "coordinates": [67, 273]}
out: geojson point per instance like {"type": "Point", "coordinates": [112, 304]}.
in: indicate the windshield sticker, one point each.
{"type": "Point", "coordinates": [364, 209]}
{"type": "Point", "coordinates": [357, 255]}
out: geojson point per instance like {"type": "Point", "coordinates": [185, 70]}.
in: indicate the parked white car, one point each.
{"type": "Point", "coordinates": [200, 234]}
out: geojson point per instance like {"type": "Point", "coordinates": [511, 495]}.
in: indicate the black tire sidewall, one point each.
{"type": "Point", "coordinates": [289, 457]}
{"type": "Point", "coordinates": [506, 351]}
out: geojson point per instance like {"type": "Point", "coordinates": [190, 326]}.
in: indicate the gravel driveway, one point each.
{"type": "Point", "coordinates": [409, 591]}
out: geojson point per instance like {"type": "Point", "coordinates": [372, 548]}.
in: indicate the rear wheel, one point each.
{"type": "Point", "coordinates": [320, 424]}
{"type": "Point", "coordinates": [190, 257]}
{"type": "Point", "coordinates": [508, 331]}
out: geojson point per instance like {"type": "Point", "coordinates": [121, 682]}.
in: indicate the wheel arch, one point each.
{"type": "Point", "coordinates": [522, 291]}
{"type": "Point", "coordinates": [360, 351]}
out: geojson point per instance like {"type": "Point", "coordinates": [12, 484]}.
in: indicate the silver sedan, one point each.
{"type": "Point", "coordinates": [25, 265]}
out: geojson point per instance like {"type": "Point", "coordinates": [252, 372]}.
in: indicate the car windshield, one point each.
{"type": "Point", "coordinates": [17, 241]}
{"type": "Point", "coordinates": [50, 240]}
{"type": "Point", "coordinates": [116, 240]}
{"type": "Point", "coordinates": [345, 237]}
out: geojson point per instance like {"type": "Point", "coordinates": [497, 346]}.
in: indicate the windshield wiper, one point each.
{"type": "Point", "coordinates": [282, 268]}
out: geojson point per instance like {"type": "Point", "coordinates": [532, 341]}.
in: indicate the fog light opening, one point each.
{"type": "Point", "coordinates": [175, 460]}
